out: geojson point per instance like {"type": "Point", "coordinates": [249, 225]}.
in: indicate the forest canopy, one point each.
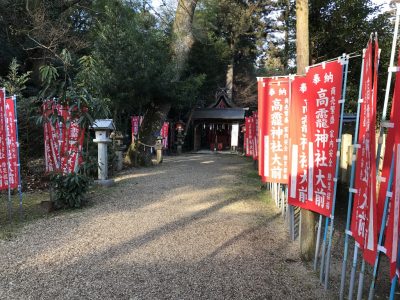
{"type": "Point", "coordinates": [118, 56]}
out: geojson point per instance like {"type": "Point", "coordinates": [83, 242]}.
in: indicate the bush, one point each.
{"type": "Point", "coordinates": [69, 190]}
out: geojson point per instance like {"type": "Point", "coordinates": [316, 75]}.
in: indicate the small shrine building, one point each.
{"type": "Point", "coordinates": [217, 127]}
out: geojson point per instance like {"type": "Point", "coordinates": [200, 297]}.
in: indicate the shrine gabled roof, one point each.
{"type": "Point", "coordinates": [222, 100]}
{"type": "Point", "coordinates": [219, 113]}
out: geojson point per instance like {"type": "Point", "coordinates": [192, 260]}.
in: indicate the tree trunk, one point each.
{"type": "Point", "coordinates": [229, 81]}
{"type": "Point", "coordinates": [302, 36]}
{"type": "Point", "coordinates": [139, 154]}
{"type": "Point", "coordinates": [182, 42]}
{"type": "Point", "coordinates": [307, 237]}
{"type": "Point", "coordinates": [182, 36]}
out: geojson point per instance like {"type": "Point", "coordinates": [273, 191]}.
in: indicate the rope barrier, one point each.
{"type": "Point", "coordinates": [145, 145]}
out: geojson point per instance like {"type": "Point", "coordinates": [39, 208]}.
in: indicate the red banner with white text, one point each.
{"type": "Point", "coordinates": [275, 137]}
{"type": "Point", "coordinates": [261, 124]}
{"type": "Point", "coordinates": [364, 223]}
{"type": "Point", "coordinates": [9, 169]}
{"type": "Point", "coordinates": [392, 145]}
{"type": "Point", "coordinates": [71, 155]}
{"type": "Point", "coordinates": [164, 134]}
{"type": "Point", "coordinates": [12, 142]}
{"type": "Point", "coordinates": [249, 136]}
{"type": "Point", "coordinates": [52, 142]}
{"type": "Point", "coordinates": [313, 129]}
{"type": "Point", "coordinates": [393, 224]}
{"type": "Point", "coordinates": [136, 121]}
{"type": "Point", "coordinates": [64, 139]}
{"type": "Point", "coordinates": [255, 135]}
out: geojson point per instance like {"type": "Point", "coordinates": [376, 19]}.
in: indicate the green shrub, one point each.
{"type": "Point", "coordinates": [69, 190]}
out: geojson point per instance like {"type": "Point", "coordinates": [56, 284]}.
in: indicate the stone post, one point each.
{"type": "Point", "coordinates": [159, 148]}
{"type": "Point", "coordinates": [344, 157]}
{"type": "Point", "coordinates": [102, 129]}
{"type": "Point", "coordinates": [119, 149]}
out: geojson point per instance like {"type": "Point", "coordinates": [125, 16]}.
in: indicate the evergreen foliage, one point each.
{"type": "Point", "coordinates": [114, 56]}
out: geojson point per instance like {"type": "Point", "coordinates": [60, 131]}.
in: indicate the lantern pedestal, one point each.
{"type": "Point", "coordinates": [102, 129]}
{"type": "Point", "coordinates": [119, 149]}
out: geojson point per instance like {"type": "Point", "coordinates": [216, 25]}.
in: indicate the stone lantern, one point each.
{"type": "Point", "coordinates": [103, 128]}
{"type": "Point", "coordinates": [119, 148]}
{"type": "Point", "coordinates": [179, 127]}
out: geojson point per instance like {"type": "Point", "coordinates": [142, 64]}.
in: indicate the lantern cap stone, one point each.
{"type": "Point", "coordinates": [103, 124]}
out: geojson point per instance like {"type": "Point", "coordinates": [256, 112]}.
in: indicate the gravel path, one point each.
{"type": "Point", "coordinates": [194, 227]}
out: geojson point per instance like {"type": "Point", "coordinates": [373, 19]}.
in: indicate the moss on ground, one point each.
{"type": "Point", "coordinates": [31, 210]}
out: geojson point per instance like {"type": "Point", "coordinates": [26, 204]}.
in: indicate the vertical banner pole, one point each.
{"type": "Point", "coordinates": [317, 243]}
{"type": "Point", "coordinates": [345, 61]}
{"type": "Point", "coordinates": [285, 195]}
{"type": "Point", "coordinates": [350, 197]}
{"type": "Point", "coordinates": [291, 221]}
{"type": "Point", "coordinates": [283, 200]}
{"type": "Point", "coordinates": [353, 271]}
{"type": "Point", "coordinates": [361, 281]}
{"type": "Point", "coordinates": [278, 194]}
{"type": "Point", "coordinates": [322, 266]}
{"type": "Point", "coordinates": [393, 287]}
{"type": "Point", "coordinates": [377, 161]}
{"type": "Point", "coordinates": [396, 276]}
{"type": "Point", "coordinates": [18, 159]}
{"type": "Point", "coordinates": [389, 81]}
{"type": "Point", "coordinates": [392, 55]}
{"type": "Point", "coordinates": [382, 230]}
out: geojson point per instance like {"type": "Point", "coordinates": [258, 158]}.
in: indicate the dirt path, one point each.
{"type": "Point", "coordinates": [193, 228]}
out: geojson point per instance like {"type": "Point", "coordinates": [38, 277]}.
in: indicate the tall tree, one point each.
{"type": "Point", "coordinates": [181, 44]}
{"type": "Point", "coordinates": [307, 238]}
{"type": "Point", "coordinates": [182, 36]}
{"type": "Point", "coordinates": [344, 26]}
{"type": "Point", "coordinates": [237, 29]}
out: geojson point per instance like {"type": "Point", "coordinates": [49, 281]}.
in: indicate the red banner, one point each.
{"type": "Point", "coordinates": [51, 139]}
{"type": "Point", "coordinates": [261, 126]}
{"type": "Point", "coordinates": [3, 144]}
{"type": "Point", "coordinates": [9, 170]}
{"type": "Point", "coordinates": [63, 143]}
{"type": "Point", "coordinates": [136, 122]}
{"type": "Point", "coordinates": [243, 130]}
{"type": "Point", "coordinates": [246, 137]}
{"type": "Point", "coordinates": [313, 129]}
{"type": "Point", "coordinates": [12, 142]}
{"type": "Point", "coordinates": [393, 229]}
{"type": "Point", "coordinates": [392, 144]}
{"type": "Point", "coordinates": [275, 138]}
{"type": "Point", "coordinates": [249, 136]}
{"type": "Point", "coordinates": [164, 134]}
{"type": "Point", "coordinates": [255, 135]}
{"type": "Point", "coordinates": [363, 223]}
{"type": "Point", "coordinates": [73, 138]}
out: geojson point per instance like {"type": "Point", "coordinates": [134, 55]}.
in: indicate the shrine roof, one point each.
{"type": "Point", "coordinates": [219, 113]}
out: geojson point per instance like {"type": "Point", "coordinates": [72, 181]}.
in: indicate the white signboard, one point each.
{"type": "Point", "coordinates": [235, 135]}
